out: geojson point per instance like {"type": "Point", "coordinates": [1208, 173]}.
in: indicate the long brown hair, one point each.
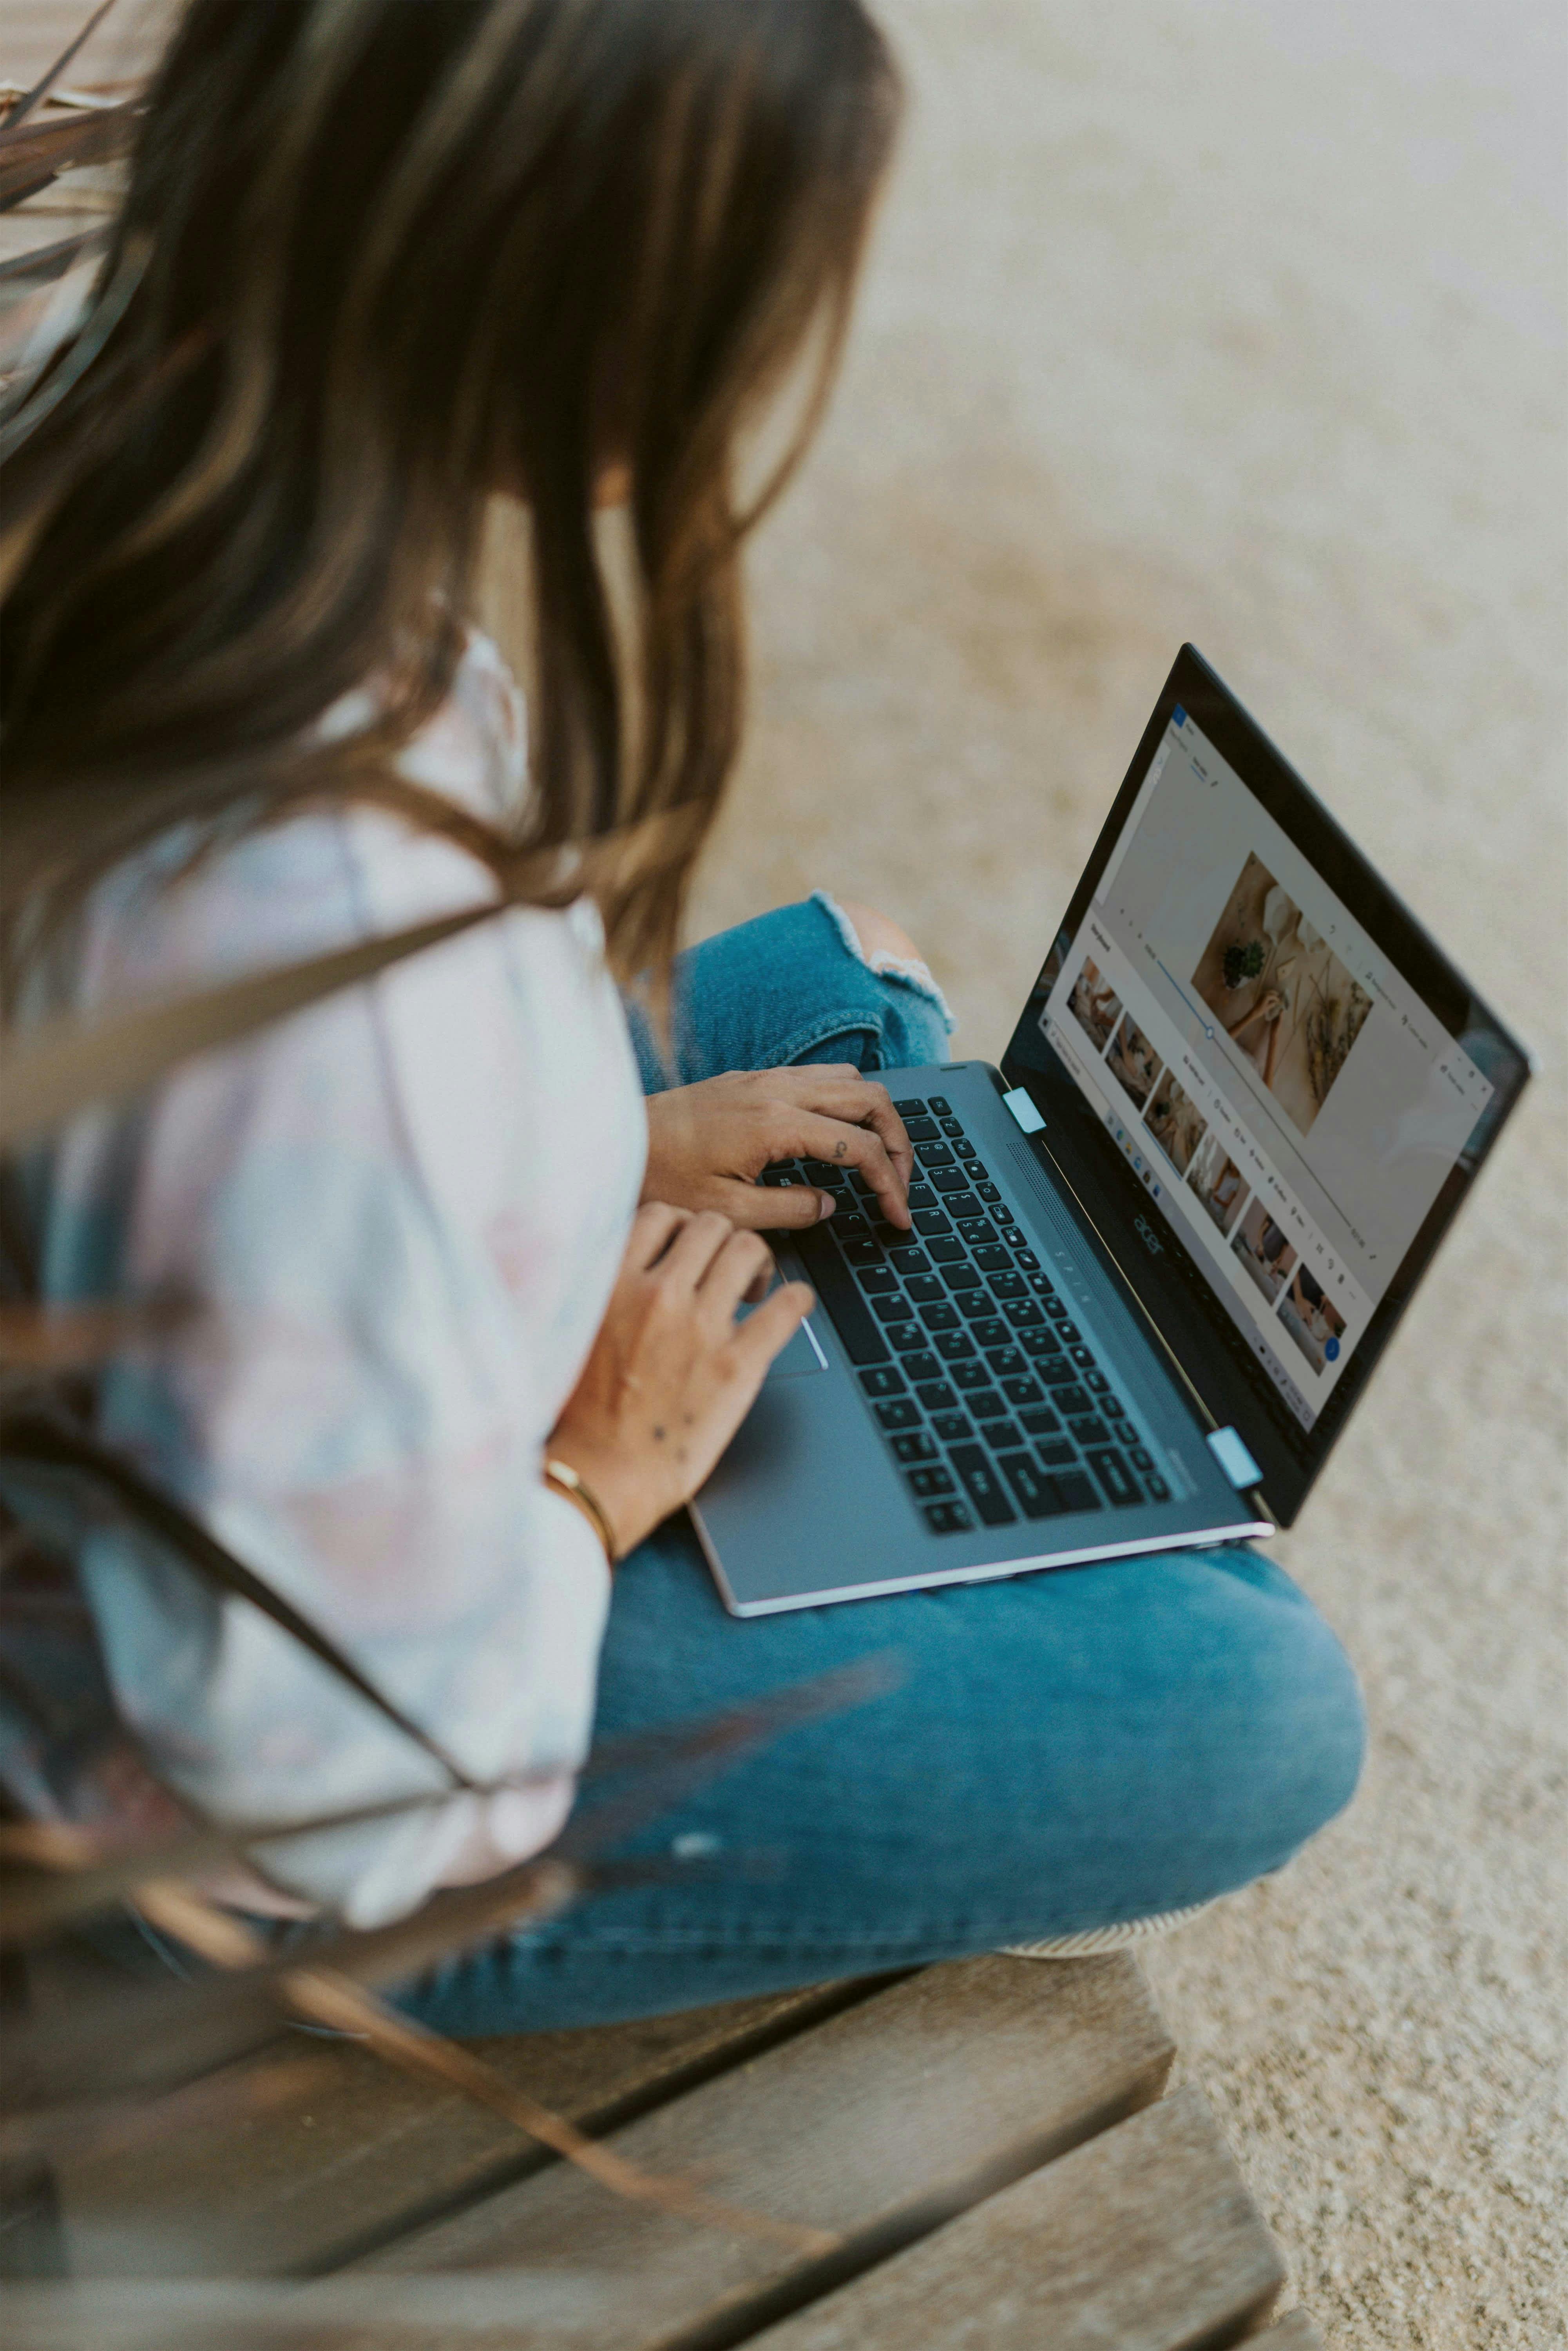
{"type": "Point", "coordinates": [379, 260]}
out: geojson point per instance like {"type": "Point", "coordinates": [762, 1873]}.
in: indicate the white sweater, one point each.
{"type": "Point", "coordinates": [401, 1213]}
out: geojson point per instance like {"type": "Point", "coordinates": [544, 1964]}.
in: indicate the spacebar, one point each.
{"type": "Point", "coordinates": [838, 1290]}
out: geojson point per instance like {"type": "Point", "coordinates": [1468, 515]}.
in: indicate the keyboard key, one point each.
{"type": "Point", "coordinates": [1013, 1237]}
{"type": "Point", "coordinates": [935, 1154]}
{"type": "Point", "coordinates": [962, 1203]}
{"type": "Point", "coordinates": [1035, 1493]}
{"type": "Point", "coordinates": [1040, 1342]}
{"type": "Point", "coordinates": [909, 1108]}
{"type": "Point", "coordinates": [978, 1232]}
{"type": "Point", "coordinates": [1112, 1407]}
{"type": "Point", "coordinates": [1125, 1433]}
{"type": "Point", "coordinates": [907, 1259]}
{"type": "Point", "coordinates": [824, 1175]}
{"type": "Point", "coordinates": [947, 1518]}
{"type": "Point", "coordinates": [938, 1396]}
{"type": "Point", "coordinates": [906, 1336]}
{"type": "Point", "coordinates": [1069, 1332]}
{"type": "Point", "coordinates": [977, 1173]}
{"type": "Point", "coordinates": [1001, 1435]}
{"type": "Point", "coordinates": [1082, 1356]}
{"type": "Point", "coordinates": [1057, 1454]}
{"type": "Point", "coordinates": [1036, 1281]}
{"type": "Point", "coordinates": [975, 1305]}
{"type": "Point", "coordinates": [939, 1106]}
{"type": "Point", "coordinates": [1022, 1312]}
{"type": "Point", "coordinates": [925, 1289]}
{"type": "Point", "coordinates": [1007, 1362]}
{"type": "Point", "coordinates": [891, 1309]}
{"type": "Point", "coordinates": [1029, 1261]}
{"type": "Point", "coordinates": [1070, 1402]}
{"type": "Point", "coordinates": [993, 1259]}
{"type": "Point", "coordinates": [1117, 1477]}
{"type": "Point", "coordinates": [914, 1446]}
{"type": "Point", "coordinates": [918, 1129]}
{"type": "Point", "coordinates": [970, 1376]}
{"type": "Point", "coordinates": [1091, 1431]}
{"type": "Point", "coordinates": [981, 1485]}
{"type": "Point", "coordinates": [992, 1332]}
{"type": "Point", "coordinates": [932, 1225]}
{"type": "Point", "coordinates": [876, 1279]}
{"type": "Point", "coordinates": [1058, 1372]}
{"type": "Point", "coordinates": [1059, 1309]}
{"type": "Point", "coordinates": [953, 1345]}
{"type": "Point", "coordinates": [985, 1404]}
{"type": "Point", "coordinates": [1141, 1459]}
{"type": "Point", "coordinates": [961, 1277]}
{"type": "Point", "coordinates": [921, 1196]}
{"type": "Point", "coordinates": [903, 1413]}
{"type": "Point", "coordinates": [927, 1367]}
{"type": "Point", "coordinates": [841, 1300]}
{"type": "Point", "coordinates": [1100, 1385]}
{"type": "Point", "coordinates": [1023, 1391]}
{"type": "Point", "coordinates": [1039, 1424]}
{"type": "Point", "coordinates": [964, 1147]}
{"type": "Point", "coordinates": [950, 1179]}
{"type": "Point", "coordinates": [925, 1482]}
{"type": "Point", "coordinates": [952, 1428]}
{"type": "Point", "coordinates": [1011, 1285]}
{"type": "Point", "coordinates": [883, 1383]}
{"type": "Point", "coordinates": [1077, 1491]}
{"type": "Point", "coordinates": [866, 1252]}
{"type": "Point", "coordinates": [951, 1126]}
{"type": "Point", "coordinates": [1158, 1487]}
{"type": "Point", "coordinates": [940, 1317]}
{"type": "Point", "coordinates": [989, 1194]}
{"type": "Point", "coordinates": [950, 1251]}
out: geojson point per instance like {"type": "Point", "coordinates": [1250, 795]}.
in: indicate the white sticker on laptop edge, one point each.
{"type": "Point", "coordinates": [1234, 1458]}
{"type": "Point", "coordinates": [1021, 1104]}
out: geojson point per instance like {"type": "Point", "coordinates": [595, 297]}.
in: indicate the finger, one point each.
{"type": "Point", "coordinates": [837, 1090]}
{"type": "Point", "coordinates": [862, 1147]}
{"type": "Point", "coordinates": [654, 1227]}
{"type": "Point", "coordinates": [765, 1334]}
{"type": "Point", "coordinates": [743, 1263]}
{"type": "Point", "coordinates": [695, 1247]}
{"type": "Point", "coordinates": [769, 1208]}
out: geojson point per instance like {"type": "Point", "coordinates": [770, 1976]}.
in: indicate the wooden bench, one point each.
{"type": "Point", "coordinates": [984, 2151]}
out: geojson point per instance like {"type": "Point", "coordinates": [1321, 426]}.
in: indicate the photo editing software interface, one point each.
{"type": "Point", "coordinates": [1289, 1103]}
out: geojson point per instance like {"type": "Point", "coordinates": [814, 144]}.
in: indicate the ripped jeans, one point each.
{"type": "Point", "coordinates": [1066, 1750]}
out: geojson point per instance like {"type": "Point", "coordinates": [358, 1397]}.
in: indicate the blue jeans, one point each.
{"type": "Point", "coordinates": [1065, 1751]}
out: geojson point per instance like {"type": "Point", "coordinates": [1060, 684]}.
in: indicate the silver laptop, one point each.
{"type": "Point", "coordinates": [1158, 1252]}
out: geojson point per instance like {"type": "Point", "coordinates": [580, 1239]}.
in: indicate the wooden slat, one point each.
{"type": "Point", "coordinates": [1294, 2332]}
{"type": "Point", "coordinates": [1145, 2239]}
{"type": "Point", "coordinates": [373, 2152]}
{"type": "Point", "coordinates": [878, 2125]}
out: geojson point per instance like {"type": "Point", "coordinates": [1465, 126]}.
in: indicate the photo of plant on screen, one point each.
{"type": "Point", "coordinates": [1094, 1004]}
{"type": "Point", "coordinates": [1134, 1062]}
{"type": "Point", "coordinates": [1175, 1122]}
{"type": "Point", "coordinates": [1217, 1182]}
{"type": "Point", "coordinates": [1282, 996]}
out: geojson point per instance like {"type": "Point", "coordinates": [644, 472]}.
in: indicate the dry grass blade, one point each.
{"type": "Point", "coordinates": [324, 1995]}
{"type": "Point", "coordinates": [41, 88]}
{"type": "Point", "coordinates": [75, 1338]}
{"type": "Point", "coordinates": [47, 261]}
{"type": "Point", "coordinates": [121, 2125]}
{"type": "Point", "coordinates": [30, 158]}
{"type": "Point", "coordinates": [65, 1065]}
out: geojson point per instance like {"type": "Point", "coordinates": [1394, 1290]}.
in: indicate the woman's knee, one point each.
{"type": "Point", "coordinates": [879, 936]}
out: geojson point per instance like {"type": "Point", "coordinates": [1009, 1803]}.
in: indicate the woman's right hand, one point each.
{"type": "Point", "coordinates": [672, 1373]}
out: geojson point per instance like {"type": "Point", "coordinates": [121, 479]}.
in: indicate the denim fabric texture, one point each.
{"type": "Point", "coordinates": [1065, 1751]}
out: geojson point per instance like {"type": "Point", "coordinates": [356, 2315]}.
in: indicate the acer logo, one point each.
{"type": "Point", "coordinates": [1150, 1238]}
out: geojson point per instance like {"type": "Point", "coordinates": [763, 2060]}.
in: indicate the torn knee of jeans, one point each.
{"type": "Point", "coordinates": [908, 971]}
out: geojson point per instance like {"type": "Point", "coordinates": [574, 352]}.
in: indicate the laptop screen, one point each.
{"type": "Point", "coordinates": [1290, 1098]}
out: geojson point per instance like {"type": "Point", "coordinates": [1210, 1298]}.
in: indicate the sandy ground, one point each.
{"type": "Point", "coordinates": [1245, 323]}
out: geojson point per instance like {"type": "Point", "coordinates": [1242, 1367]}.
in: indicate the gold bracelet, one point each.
{"type": "Point", "coordinates": [565, 1479]}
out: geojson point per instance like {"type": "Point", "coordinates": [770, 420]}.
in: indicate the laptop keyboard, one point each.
{"type": "Point", "coordinates": [985, 1389]}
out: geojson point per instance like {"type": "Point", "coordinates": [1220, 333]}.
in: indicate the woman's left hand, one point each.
{"type": "Point", "coordinates": [708, 1144]}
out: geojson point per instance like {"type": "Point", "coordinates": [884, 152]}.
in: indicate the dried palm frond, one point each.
{"type": "Point", "coordinates": [26, 100]}
{"type": "Point", "coordinates": [37, 154]}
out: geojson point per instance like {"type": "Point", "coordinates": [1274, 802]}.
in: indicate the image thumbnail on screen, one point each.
{"type": "Point", "coordinates": [1316, 1326]}
{"type": "Point", "coordinates": [1282, 996]}
{"type": "Point", "coordinates": [1263, 1250]}
{"type": "Point", "coordinates": [1175, 1122]}
{"type": "Point", "coordinates": [1094, 1004]}
{"type": "Point", "coordinates": [1134, 1062]}
{"type": "Point", "coordinates": [1217, 1182]}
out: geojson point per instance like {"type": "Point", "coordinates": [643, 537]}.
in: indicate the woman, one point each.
{"type": "Point", "coordinates": [377, 264]}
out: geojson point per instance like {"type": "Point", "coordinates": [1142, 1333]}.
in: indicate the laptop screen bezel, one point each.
{"type": "Point", "coordinates": [1230, 1383]}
